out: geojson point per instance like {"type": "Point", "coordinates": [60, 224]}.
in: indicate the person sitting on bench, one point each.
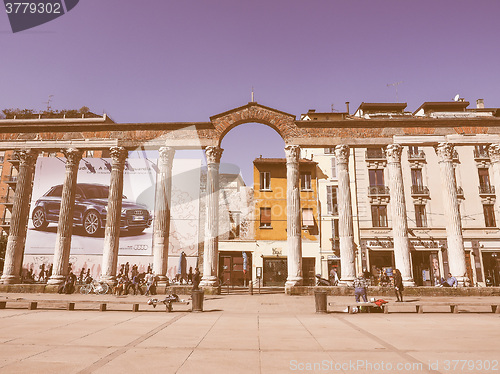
{"type": "Point", "coordinates": [450, 282]}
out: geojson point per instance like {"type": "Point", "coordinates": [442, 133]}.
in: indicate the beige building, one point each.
{"type": "Point", "coordinates": [425, 201]}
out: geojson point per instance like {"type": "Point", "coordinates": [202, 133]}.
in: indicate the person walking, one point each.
{"type": "Point", "coordinates": [360, 288]}
{"type": "Point", "coordinates": [398, 285]}
{"type": "Point", "coordinates": [196, 279]}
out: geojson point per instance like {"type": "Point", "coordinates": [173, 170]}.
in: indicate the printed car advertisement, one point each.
{"type": "Point", "coordinates": [90, 211]}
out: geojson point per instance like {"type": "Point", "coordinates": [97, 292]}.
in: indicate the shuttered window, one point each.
{"type": "Point", "coordinates": [265, 217]}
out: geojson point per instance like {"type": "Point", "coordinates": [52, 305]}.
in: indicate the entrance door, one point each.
{"type": "Point", "coordinates": [308, 271]}
{"type": "Point", "coordinates": [275, 272]}
{"type": "Point", "coordinates": [231, 268]}
{"type": "Point", "coordinates": [423, 273]}
{"type": "Point", "coordinates": [491, 268]}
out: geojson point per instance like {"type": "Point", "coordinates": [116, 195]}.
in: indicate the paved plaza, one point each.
{"type": "Point", "coordinates": [270, 333]}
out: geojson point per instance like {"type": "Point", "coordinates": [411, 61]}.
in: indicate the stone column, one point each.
{"type": "Point", "coordinates": [19, 220]}
{"type": "Point", "coordinates": [65, 224]}
{"type": "Point", "coordinates": [456, 252]}
{"type": "Point", "coordinates": [346, 231]}
{"type": "Point", "coordinates": [293, 224]}
{"type": "Point", "coordinates": [494, 153]}
{"type": "Point", "coordinates": [113, 216]}
{"type": "Point", "coordinates": [161, 226]}
{"type": "Point", "coordinates": [211, 248]}
{"type": "Point", "coordinates": [398, 210]}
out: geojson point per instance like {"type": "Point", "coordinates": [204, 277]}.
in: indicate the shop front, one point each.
{"type": "Point", "coordinates": [234, 268]}
{"type": "Point", "coordinates": [275, 271]}
{"type": "Point", "coordinates": [491, 266]}
{"type": "Point", "coordinates": [426, 268]}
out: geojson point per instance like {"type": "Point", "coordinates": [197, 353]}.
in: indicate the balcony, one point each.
{"type": "Point", "coordinates": [419, 191]}
{"type": "Point", "coordinates": [486, 191]}
{"type": "Point", "coordinates": [481, 154]}
{"type": "Point", "coordinates": [416, 156]}
{"type": "Point", "coordinates": [378, 191]}
{"type": "Point", "coordinates": [375, 154]}
{"type": "Point", "coordinates": [460, 193]}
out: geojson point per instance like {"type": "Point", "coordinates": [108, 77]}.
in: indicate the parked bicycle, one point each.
{"type": "Point", "coordinates": [99, 288]}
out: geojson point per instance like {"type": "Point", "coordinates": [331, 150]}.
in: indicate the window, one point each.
{"type": "Point", "coordinates": [335, 234]}
{"type": "Point", "coordinates": [265, 180]}
{"type": "Point", "coordinates": [2, 157]}
{"type": "Point", "coordinates": [413, 150]}
{"type": "Point", "coordinates": [420, 217]}
{"type": "Point", "coordinates": [305, 181]}
{"type": "Point", "coordinates": [57, 191]}
{"type": "Point", "coordinates": [307, 218]}
{"type": "Point", "coordinates": [265, 217]}
{"type": "Point", "coordinates": [376, 177]}
{"type": "Point", "coordinates": [484, 177]}
{"type": "Point", "coordinates": [379, 215]}
{"type": "Point", "coordinates": [331, 200]}
{"type": "Point", "coordinates": [375, 153]}
{"type": "Point", "coordinates": [489, 215]}
{"type": "Point", "coordinates": [89, 153]}
{"type": "Point", "coordinates": [416, 177]}
{"type": "Point", "coordinates": [334, 168]}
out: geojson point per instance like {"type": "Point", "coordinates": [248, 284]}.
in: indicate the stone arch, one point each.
{"type": "Point", "coordinates": [283, 123]}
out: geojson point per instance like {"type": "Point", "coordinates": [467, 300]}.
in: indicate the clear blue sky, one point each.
{"type": "Point", "coordinates": [161, 60]}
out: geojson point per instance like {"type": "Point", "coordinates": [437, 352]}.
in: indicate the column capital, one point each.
{"type": "Point", "coordinates": [73, 156]}
{"type": "Point", "coordinates": [213, 154]}
{"type": "Point", "coordinates": [167, 155]}
{"type": "Point", "coordinates": [342, 154]}
{"type": "Point", "coordinates": [494, 152]}
{"type": "Point", "coordinates": [292, 153]}
{"type": "Point", "coordinates": [393, 153]}
{"type": "Point", "coordinates": [445, 151]}
{"type": "Point", "coordinates": [118, 155]}
{"type": "Point", "coordinates": [28, 156]}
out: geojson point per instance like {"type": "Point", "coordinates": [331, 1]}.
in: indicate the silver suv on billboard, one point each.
{"type": "Point", "coordinates": [91, 203]}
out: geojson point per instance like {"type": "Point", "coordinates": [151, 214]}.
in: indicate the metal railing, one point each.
{"type": "Point", "coordinates": [378, 190]}
{"type": "Point", "coordinates": [485, 189]}
{"type": "Point", "coordinates": [419, 155]}
{"type": "Point", "coordinates": [419, 190]}
{"type": "Point", "coordinates": [481, 154]}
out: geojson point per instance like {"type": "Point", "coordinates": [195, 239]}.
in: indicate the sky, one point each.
{"type": "Point", "coordinates": [166, 61]}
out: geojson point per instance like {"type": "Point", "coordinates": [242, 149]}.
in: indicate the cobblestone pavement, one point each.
{"type": "Point", "coordinates": [270, 333]}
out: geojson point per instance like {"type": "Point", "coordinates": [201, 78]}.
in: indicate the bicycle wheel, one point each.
{"type": "Point", "coordinates": [85, 289]}
{"type": "Point", "coordinates": [102, 288]}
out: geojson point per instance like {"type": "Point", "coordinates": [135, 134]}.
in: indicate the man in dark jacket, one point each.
{"type": "Point", "coordinates": [196, 279]}
{"type": "Point", "coordinates": [398, 285]}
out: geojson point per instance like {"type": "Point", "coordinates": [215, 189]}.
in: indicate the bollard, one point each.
{"type": "Point", "coordinates": [197, 300]}
{"type": "Point", "coordinates": [251, 287]}
{"type": "Point", "coordinates": [320, 301]}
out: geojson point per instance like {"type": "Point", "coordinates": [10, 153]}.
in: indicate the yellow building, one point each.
{"type": "Point", "coordinates": [270, 224]}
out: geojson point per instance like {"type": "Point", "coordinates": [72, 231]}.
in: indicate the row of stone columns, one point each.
{"type": "Point", "coordinates": [20, 212]}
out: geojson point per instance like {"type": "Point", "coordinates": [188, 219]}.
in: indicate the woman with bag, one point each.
{"type": "Point", "coordinates": [398, 285]}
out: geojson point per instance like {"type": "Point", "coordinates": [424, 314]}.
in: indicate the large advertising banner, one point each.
{"type": "Point", "coordinates": [135, 244]}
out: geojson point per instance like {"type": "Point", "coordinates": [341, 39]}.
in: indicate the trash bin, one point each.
{"type": "Point", "coordinates": [197, 300]}
{"type": "Point", "coordinates": [320, 300]}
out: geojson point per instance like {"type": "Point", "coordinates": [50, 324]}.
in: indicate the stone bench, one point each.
{"type": "Point", "coordinates": [419, 306]}
{"type": "Point", "coordinates": [70, 305]}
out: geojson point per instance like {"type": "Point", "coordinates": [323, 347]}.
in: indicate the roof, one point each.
{"type": "Point", "coordinates": [443, 106]}
{"type": "Point", "coordinates": [384, 107]}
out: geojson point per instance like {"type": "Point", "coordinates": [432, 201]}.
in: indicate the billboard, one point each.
{"type": "Point", "coordinates": [135, 244]}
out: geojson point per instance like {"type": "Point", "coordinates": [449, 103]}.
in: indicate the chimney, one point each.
{"type": "Point", "coordinates": [347, 105]}
{"type": "Point", "coordinates": [480, 103]}
{"type": "Point", "coordinates": [311, 111]}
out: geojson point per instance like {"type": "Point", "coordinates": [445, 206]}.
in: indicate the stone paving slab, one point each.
{"type": "Point", "coordinates": [245, 334]}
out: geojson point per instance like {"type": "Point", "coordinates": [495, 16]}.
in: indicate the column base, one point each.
{"type": "Point", "coordinates": [209, 281]}
{"type": "Point", "coordinates": [10, 279]}
{"type": "Point", "coordinates": [346, 281]}
{"type": "Point", "coordinates": [162, 280]}
{"type": "Point", "coordinates": [56, 279]}
{"type": "Point", "coordinates": [209, 290]}
{"type": "Point", "coordinates": [109, 279]}
{"type": "Point", "coordinates": [409, 282]}
{"type": "Point", "coordinates": [292, 282]}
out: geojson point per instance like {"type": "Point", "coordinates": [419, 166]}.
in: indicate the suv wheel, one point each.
{"type": "Point", "coordinates": [39, 221]}
{"type": "Point", "coordinates": [91, 223]}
